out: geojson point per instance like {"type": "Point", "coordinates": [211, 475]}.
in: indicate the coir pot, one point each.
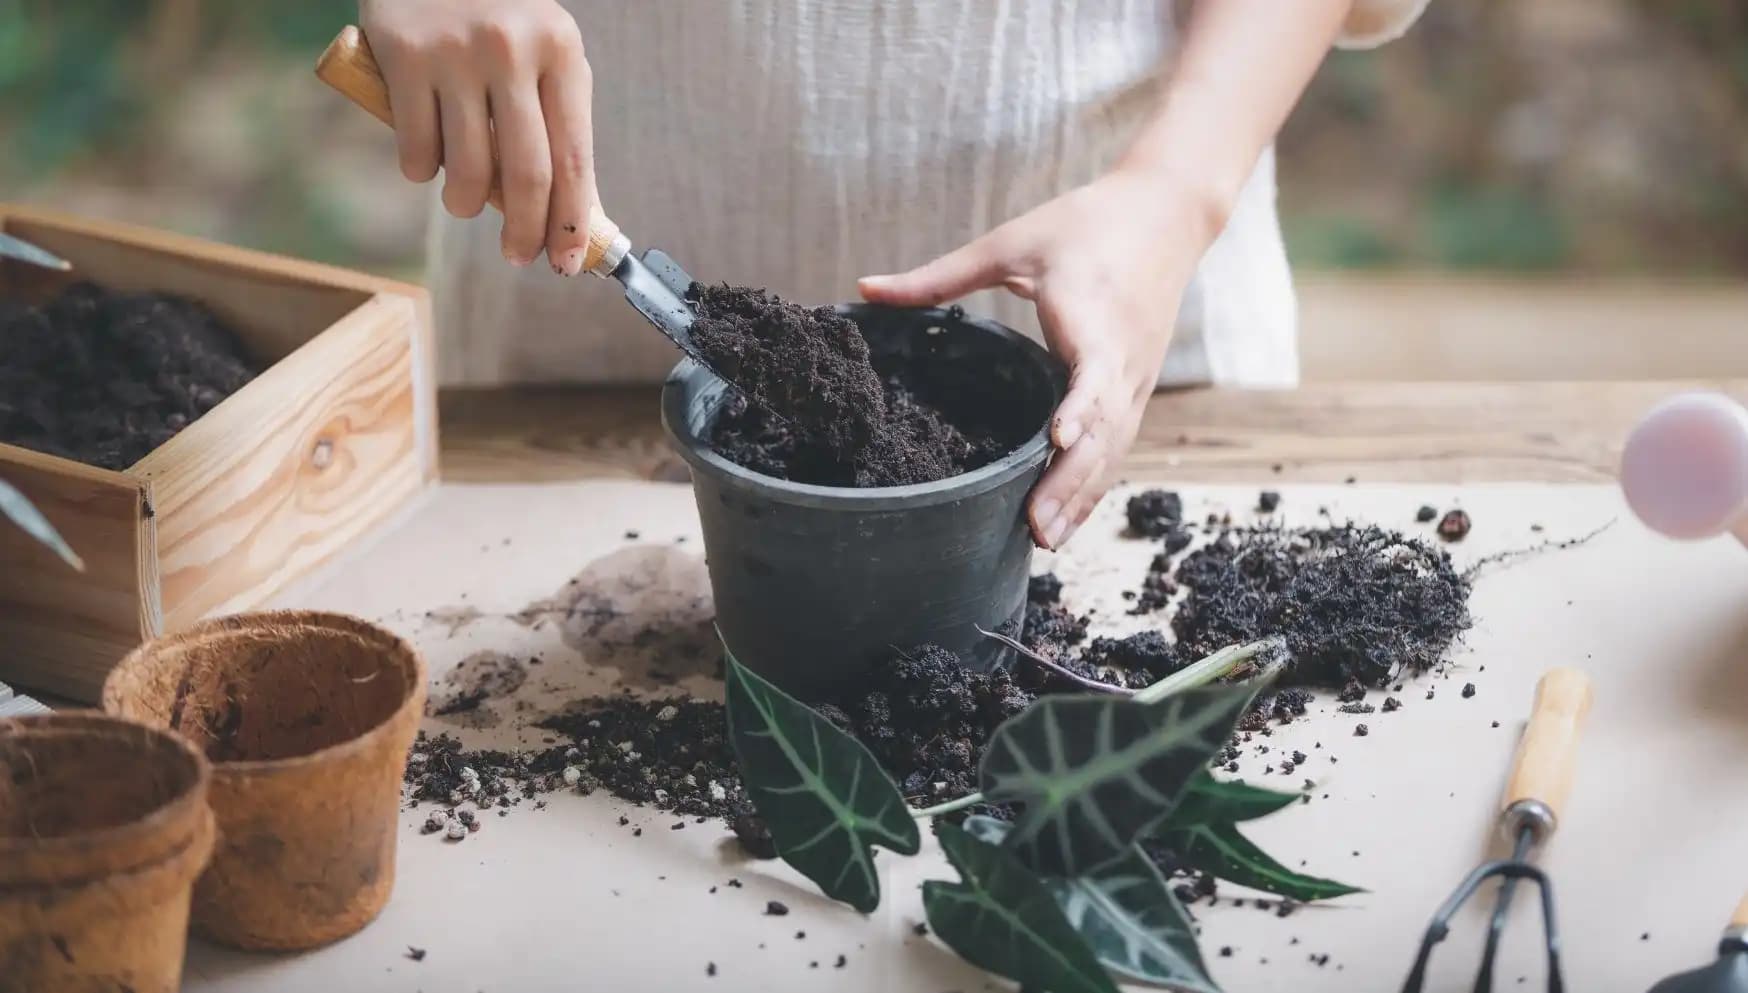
{"type": "Point", "coordinates": [816, 584]}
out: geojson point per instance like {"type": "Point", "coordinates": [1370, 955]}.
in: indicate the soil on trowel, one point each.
{"type": "Point", "coordinates": [816, 407]}
{"type": "Point", "coordinates": [105, 377]}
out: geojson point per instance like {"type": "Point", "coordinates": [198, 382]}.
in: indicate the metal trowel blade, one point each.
{"type": "Point", "coordinates": [656, 285]}
{"type": "Point", "coordinates": [1729, 974]}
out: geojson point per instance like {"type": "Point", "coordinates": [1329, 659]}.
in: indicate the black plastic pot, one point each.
{"type": "Point", "coordinates": [816, 584]}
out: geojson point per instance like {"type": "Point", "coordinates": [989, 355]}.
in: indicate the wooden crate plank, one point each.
{"type": "Point", "coordinates": [290, 471]}
{"type": "Point", "coordinates": [62, 630]}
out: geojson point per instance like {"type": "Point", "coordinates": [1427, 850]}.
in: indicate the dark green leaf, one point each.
{"type": "Point", "coordinates": [1002, 918]}
{"type": "Point", "coordinates": [1214, 801]}
{"type": "Point", "coordinates": [1127, 916]}
{"type": "Point", "coordinates": [1093, 773]}
{"type": "Point", "coordinates": [823, 796]}
{"type": "Point", "coordinates": [1220, 850]}
{"type": "Point", "coordinates": [16, 507]}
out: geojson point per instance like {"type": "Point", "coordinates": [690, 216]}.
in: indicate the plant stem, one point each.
{"type": "Point", "coordinates": [963, 803]}
{"type": "Point", "coordinates": [1218, 665]}
{"type": "Point", "coordinates": [1056, 667]}
{"type": "Point", "coordinates": [1222, 663]}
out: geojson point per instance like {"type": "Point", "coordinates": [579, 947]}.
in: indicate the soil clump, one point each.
{"type": "Point", "coordinates": [106, 377]}
{"type": "Point", "coordinates": [814, 405]}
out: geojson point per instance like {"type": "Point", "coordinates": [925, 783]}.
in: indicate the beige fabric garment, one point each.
{"type": "Point", "coordinates": [799, 144]}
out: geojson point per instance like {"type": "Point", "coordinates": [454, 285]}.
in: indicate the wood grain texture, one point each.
{"type": "Point", "coordinates": [1381, 327]}
{"type": "Point", "coordinates": [1547, 756]}
{"type": "Point", "coordinates": [63, 630]}
{"type": "Point", "coordinates": [290, 470]}
{"type": "Point", "coordinates": [1327, 432]}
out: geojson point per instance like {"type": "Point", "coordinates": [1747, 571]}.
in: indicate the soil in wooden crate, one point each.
{"type": "Point", "coordinates": [105, 377]}
{"type": "Point", "coordinates": [818, 408]}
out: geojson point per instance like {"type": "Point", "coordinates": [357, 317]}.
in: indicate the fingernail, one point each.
{"type": "Point", "coordinates": [1046, 513]}
{"type": "Point", "coordinates": [1067, 433]}
{"type": "Point", "coordinates": [516, 260]}
{"type": "Point", "coordinates": [572, 262]}
{"type": "Point", "coordinates": [1057, 531]}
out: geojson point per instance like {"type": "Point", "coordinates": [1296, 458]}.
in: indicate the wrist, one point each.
{"type": "Point", "coordinates": [1196, 204]}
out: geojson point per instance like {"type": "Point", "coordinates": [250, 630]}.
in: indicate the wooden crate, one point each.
{"type": "Point", "coordinates": [335, 436]}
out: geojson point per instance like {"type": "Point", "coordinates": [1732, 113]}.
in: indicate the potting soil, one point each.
{"type": "Point", "coordinates": [1358, 607]}
{"type": "Point", "coordinates": [105, 377]}
{"type": "Point", "coordinates": [816, 407]}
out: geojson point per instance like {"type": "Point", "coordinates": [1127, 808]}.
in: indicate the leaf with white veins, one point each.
{"type": "Point", "coordinates": [1220, 850]}
{"type": "Point", "coordinates": [1002, 918]}
{"type": "Point", "coordinates": [1223, 801]}
{"type": "Point", "coordinates": [821, 793]}
{"type": "Point", "coordinates": [1093, 774]}
{"type": "Point", "coordinates": [18, 508]}
{"type": "Point", "coordinates": [1128, 917]}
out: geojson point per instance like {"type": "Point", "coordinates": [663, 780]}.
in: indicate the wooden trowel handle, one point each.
{"type": "Point", "coordinates": [348, 66]}
{"type": "Point", "coordinates": [1740, 918]}
{"type": "Point", "coordinates": [1547, 757]}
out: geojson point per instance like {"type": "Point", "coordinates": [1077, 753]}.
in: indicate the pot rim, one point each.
{"type": "Point", "coordinates": [1024, 457]}
{"type": "Point", "coordinates": [233, 625]}
{"type": "Point", "coordinates": [167, 816]}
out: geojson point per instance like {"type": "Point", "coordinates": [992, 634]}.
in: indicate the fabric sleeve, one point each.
{"type": "Point", "coordinates": [1373, 22]}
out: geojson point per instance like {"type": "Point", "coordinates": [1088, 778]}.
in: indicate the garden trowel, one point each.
{"type": "Point", "coordinates": [1729, 974]}
{"type": "Point", "coordinates": [654, 283]}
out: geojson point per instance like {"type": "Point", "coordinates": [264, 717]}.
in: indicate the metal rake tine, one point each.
{"type": "Point", "coordinates": [1440, 928]}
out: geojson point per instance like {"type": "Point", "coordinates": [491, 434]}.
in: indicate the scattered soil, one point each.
{"type": "Point", "coordinates": [1454, 526]}
{"type": "Point", "coordinates": [1153, 513]}
{"type": "Point", "coordinates": [1355, 603]}
{"type": "Point", "coordinates": [105, 377]}
{"type": "Point", "coordinates": [816, 407]}
{"type": "Point", "coordinates": [926, 718]}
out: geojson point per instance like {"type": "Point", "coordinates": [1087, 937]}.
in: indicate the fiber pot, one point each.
{"type": "Point", "coordinates": [816, 584]}
{"type": "Point", "coordinates": [307, 718]}
{"type": "Point", "coordinates": [104, 826]}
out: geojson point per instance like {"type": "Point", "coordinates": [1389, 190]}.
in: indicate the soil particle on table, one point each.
{"type": "Point", "coordinates": [813, 405]}
{"type": "Point", "coordinates": [776, 908]}
{"type": "Point", "coordinates": [1151, 513]}
{"type": "Point", "coordinates": [1468, 690]}
{"type": "Point", "coordinates": [1267, 501]}
{"type": "Point", "coordinates": [1426, 513]}
{"type": "Point", "coordinates": [1044, 588]}
{"type": "Point", "coordinates": [1454, 525]}
{"type": "Point", "coordinates": [106, 377]}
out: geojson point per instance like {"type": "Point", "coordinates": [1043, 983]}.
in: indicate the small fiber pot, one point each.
{"type": "Point", "coordinates": [307, 718]}
{"type": "Point", "coordinates": [104, 826]}
{"type": "Point", "coordinates": [815, 585]}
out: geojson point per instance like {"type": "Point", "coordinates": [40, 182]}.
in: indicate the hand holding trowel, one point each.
{"type": "Point", "coordinates": [654, 284]}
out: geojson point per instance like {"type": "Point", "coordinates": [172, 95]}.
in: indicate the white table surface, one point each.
{"type": "Point", "coordinates": [566, 899]}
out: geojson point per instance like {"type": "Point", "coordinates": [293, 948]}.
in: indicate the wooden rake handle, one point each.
{"type": "Point", "coordinates": [1547, 757]}
{"type": "Point", "coordinates": [349, 67]}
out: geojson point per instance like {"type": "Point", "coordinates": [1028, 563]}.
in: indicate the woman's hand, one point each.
{"type": "Point", "coordinates": [1106, 265]}
{"type": "Point", "coordinates": [464, 76]}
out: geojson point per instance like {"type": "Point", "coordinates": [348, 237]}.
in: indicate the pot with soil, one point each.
{"type": "Point", "coordinates": [307, 718]}
{"type": "Point", "coordinates": [887, 508]}
{"type": "Point", "coordinates": [104, 826]}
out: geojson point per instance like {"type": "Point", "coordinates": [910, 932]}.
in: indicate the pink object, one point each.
{"type": "Point", "coordinates": [1685, 467]}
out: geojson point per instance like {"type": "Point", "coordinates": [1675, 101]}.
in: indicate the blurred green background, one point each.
{"type": "Point", "coordinates": [1590, 136]}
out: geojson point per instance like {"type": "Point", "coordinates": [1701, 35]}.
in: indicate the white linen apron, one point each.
{"type": "Point", "coordinates": [799, 144]}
